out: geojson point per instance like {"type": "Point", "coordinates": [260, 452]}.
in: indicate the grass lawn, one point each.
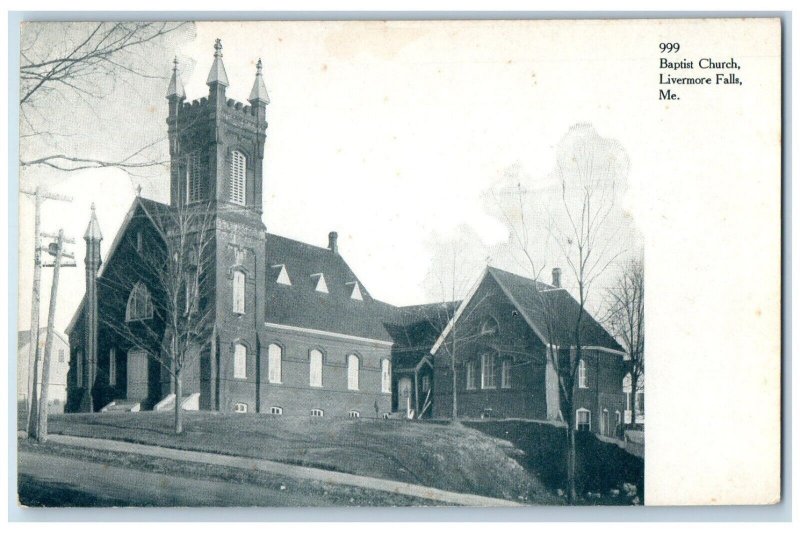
{"type": "Point", "coordinates": [442, 456]}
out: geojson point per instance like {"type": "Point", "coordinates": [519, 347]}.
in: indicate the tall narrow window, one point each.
{"type": "Point", "coordinates": [190, 295]}
{"type": "Point", "coordinates": [240, 361]}
{"type": "Point", "coordinates": [505, 374]}
{"type": "Point", "coordinates": [583, 420]}
{"type": "Point", "coordinates": [112, 366]}
{"type": "Point", "coordinates": [488, 371]}
{"type": "Point", "coordinates": [386, 376]}
{"type": "Point", "coordinates": [61, 355]}
{"type": "Point", "coordinates": [237, 177]}
{"type": "Point", "coordinates": [140, 305]}
{"type": "Point", "coordinates": [471, 375]}
{"type": "Point", "coordinates": [627, 389]}
{"type": "Point", "coordinates": [238, 291]}
{"type": "Point", "coordinates": [426, 383]}
{"type": "Point", "coordinates": [352, 372]}
{"type": "Point", "coordinates": [275, 355]}
{"type": "Point", "coordinates": [79, 368]}
{"type": "Point", "coordinates": [583, 381]}
{"type": "Point", "coordinates": [195, 186]}
{"type": "Point", "coordinates": [315, 368]}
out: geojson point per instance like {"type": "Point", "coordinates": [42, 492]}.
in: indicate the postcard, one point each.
{"type": "Point", "coordinates": [399, 263]}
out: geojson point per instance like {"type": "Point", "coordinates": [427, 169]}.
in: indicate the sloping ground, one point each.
{"type": "Point", "coordinates": [441, 456]}
{"type": "Point", "coordinates": [603, 467]}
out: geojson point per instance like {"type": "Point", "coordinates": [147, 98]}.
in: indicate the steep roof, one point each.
{"type": "Point", "coordinates": [150, 209]}
{"type": "Point", "coordinates": [415, 328]}
{"type": "Point", "coordinates": [24, 337]}
{"type": "Point", "coordinates": [553, 311]}
{"type": "Point", "coordinates": [301, 305]}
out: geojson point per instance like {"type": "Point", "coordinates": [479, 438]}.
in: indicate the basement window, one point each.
{"type": "Point", "coordinates": [240, 408]}
{"type": "Point", "coordinates": [317, 413]}
{"type": "Point", "coordinates": [276, 410]}
{"type": "Point", "coordinates": [354, 414]}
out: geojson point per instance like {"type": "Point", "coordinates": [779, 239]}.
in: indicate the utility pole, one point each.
{"type": "Point", "coordinates": [39, 197]}
{"type": "Point", "coordinates": [56, 249]}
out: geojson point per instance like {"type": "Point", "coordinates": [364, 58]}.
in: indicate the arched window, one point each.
{"type": "Point", "coordinates": [195, 179]}
{"type": "Point", "coordinates": [238, 291]}
{"type": "Point", "coordinates": [583, 380]}
{"type": "Point", "coordinates": [386, 376]}
{"type": "Point", "coordinates": [237, 177]}
{"type": "Point", "coordinates": [240, 361]}
{"type": "Point", "coordinates": [489, 327]}
{"type": "Point", "coordinates": [140, 305]}
{"type": "Point", "coordinates": [352, 371]}
{"type": "Point", "coordinates": [315, 368]}
{"type": "Point", "coordinates": [275, 355]}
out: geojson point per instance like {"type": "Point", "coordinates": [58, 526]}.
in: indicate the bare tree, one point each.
{"type": "Point", "coordinates": [625, 319]}
{"type": "Point", "coordinates": [580, 226]}
{"type": "Point", "coordinates": [80, 64]}
{"type": "Point", "coordinates": [175, 263]}
{"type": "Point", "coordinates": [588, 168]}
{"type": "Point", "coordinates": [453, 270]}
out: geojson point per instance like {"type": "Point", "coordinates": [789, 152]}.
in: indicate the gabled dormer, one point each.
{"type": "Point", "coordinates": [355, 291]}
{"type": "Point", "coordinates": [283, 275]}
{"type": "Point", "coordinates": [320, 286]}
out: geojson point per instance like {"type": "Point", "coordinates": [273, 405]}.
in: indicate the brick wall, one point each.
{"type": "Point", "coordinates": [514, 341]}
{"type": "Point", "coordinates": [294, 394]}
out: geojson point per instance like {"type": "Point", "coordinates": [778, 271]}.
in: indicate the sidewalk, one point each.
{"type": "Point", "coordinates": [300, 472]}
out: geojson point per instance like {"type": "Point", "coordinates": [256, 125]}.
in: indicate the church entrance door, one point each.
{"type": "Point", "coordinates": [137, 375]}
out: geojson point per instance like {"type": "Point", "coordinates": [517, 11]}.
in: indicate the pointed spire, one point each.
{"type": "Point", "coordinates": [259, 92]}
{"type": "Point", "coordinates": [217, 74]}
{"type": "Point", "coordinates": [175, 85]}
{"type": "Point", "coordinates": [93, 230]}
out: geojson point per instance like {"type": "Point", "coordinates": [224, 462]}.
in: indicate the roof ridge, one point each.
{"type": "Point", "coordinates": [324, 248]}
{"type": "Point", "coordinates": [526, 278]}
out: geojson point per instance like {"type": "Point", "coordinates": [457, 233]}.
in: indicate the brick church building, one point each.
{"type": "Point", "coordinates": [285, 327]}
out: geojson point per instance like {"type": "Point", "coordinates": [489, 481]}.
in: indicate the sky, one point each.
{"type": "Point", "coordinates": [393, 134]}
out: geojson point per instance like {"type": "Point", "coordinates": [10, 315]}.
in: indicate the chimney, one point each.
{"type": "Point", "coordinates": [332, 244]}
{"type": "Point", "coordinates": [557, 277]}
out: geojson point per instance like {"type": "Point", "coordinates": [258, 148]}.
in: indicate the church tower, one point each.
{"type": "Point", "coordinates": [217, 144]}
{"type": "Point", "coordinates": [216, 152]}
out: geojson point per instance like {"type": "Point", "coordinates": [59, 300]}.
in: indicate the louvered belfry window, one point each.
{"type": "Point", "coordinates": [237, 177]}
{"type": "Point", "coordinates": [195, 177]}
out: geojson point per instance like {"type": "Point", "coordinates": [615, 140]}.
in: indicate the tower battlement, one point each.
{"type": "Point", "coordinates": [217, 143]}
